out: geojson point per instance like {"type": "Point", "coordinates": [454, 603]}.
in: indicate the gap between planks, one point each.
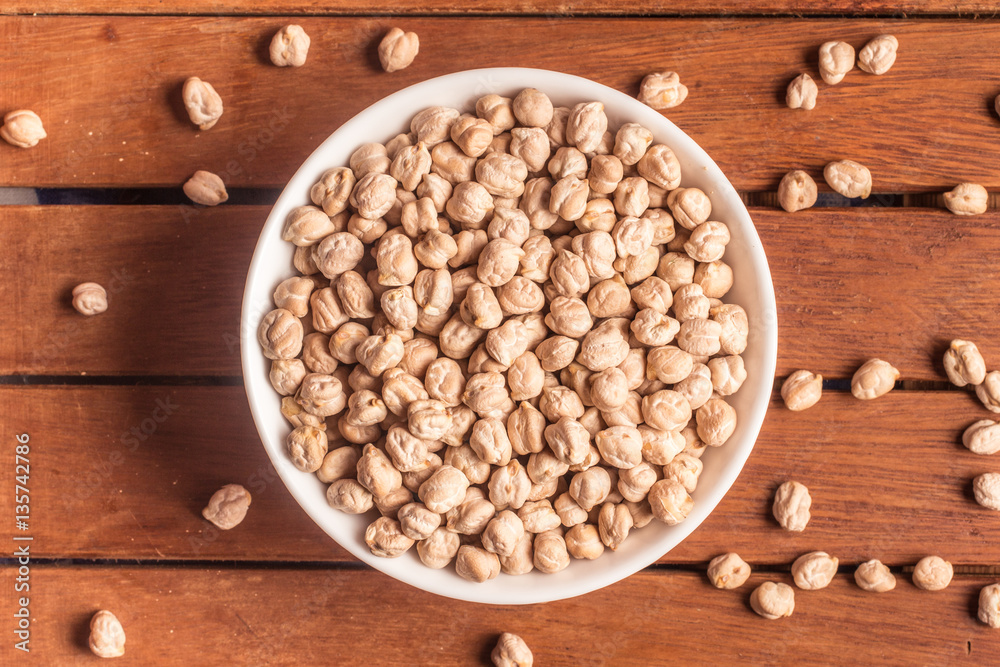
{"type": "Point", "coordinates": [971, 570]}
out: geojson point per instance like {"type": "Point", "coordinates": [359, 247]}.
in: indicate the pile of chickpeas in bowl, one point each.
{"type": "Point", "coordinates": [506, 342]}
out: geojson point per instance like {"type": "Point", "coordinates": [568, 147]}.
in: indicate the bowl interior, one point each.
{"type": "Point", "coordinates": [272, 263]}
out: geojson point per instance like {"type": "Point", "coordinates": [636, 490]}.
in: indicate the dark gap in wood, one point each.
{"type": "Point", "coordinates": [605, 14]}
{"type": "Point", "coordinates": [124, 380]}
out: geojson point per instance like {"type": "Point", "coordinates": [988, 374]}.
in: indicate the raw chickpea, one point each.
{"type": "Point", "coordinates": [538, 516]}
{"type": "Point", "coordinates": [700, 337]}
{"type": "Point", "coordinates": [599, 216]}
{"type": "Point", "coordinates": [444, 489]}
{"type": "Point", "coordinates": [509, 486]}
{"type": "Point", "coordinates": [653, 328]}
{"type": "Point", "coordinates": [339, 463]}
{"type": "Point", "coordinates": [982, 437]}
{"type": "Point", "coordinates": [397, 264]}
{"type": "Point", "coordinates": [503, 533]}
{"type": "Point", "coordinates": [370, 158]}
{"type": "Point", "coordinates": [568, 198]}
{"type": "Point", "coordinates": [535, 202]}
{"type": "Point", "coordinates": [583, 541]}
{"type": "Point", "coordinates": [609, 389]}
{"type": "Point", "coordinates": [525, 377]}
{"type": "Point", "coordinates": [558, 402]}
{"type": "Point", "coordinates": [385, 538]}
{"type": "Point", "coordinates": [428, 419]}
{"type": "Point", "coordinates": [417, 522]}
{"type": "Point", "coordinates": [519, 296]}
{"type": "Point", "coordinates": [590, 487]}
{"type": "Point", "coordinates": [333, 190]}
{"type": "Point", "coordinates": [537, 259]}
{"type": "Point", "coordinates": [497, 111]}
{"type": "Point", "coordinates": [433, 291]}
{"type": "Point", "coordinates": [801, 94]}
{"type": "Point", "coordinates": [550, 550]}
{"type": "Point", "coordinates": [471, 516]}
{"type": "Point", "coordinates": [568, 440]}
{"type": "Point", "coordinates": [932, 573]}
{"type": "Point", "coordinates": [662, 90]}
{"type": "Point", "coordinates": [348, 495]}
{"type": "Point", "coordinates": [307, 226]}
{"type": "Point", "coordinates": [660, 166]}
{"type": "Point", "coordinates": [963, 363]}
{"type": "Point", "coordinates": [568, 161]}
{"type": "Point", "coordinates": [606, 172]}
{"type": "Point", "coordinates": [614, 523]}
{"type": "Point", "coordinates": [685, 469]}
{"type": "Point", "coordinates": [875, 378]}
{"type": "Point", "coordinates": [728, 374]}
{"type": "Point", "coordinates": [433, 125]}
{"type": "Point", "coordinates": [519, 562]}
{"type": "Point", "coordinates": [670, 502]}
{"type": "Point", "coordinates": [91, 299]}
{"type": "Point", "coordinates": [345, 340]}
{"type": "Point", "coordinates": [450, 163]}
{"type": "Point", "coordinates": [988, 391]}
{"type": "Point", "coordinates": [568, 316]}
{"type": "Point", "coordinates": [410, 166]}
{"type": "Point", "coordinates": [532, 108]}
{"type": "Point", "coordinates": [802, 390]}
{"type": "Point", "coordinates": [634, 483]}
{"type": "Point", "coordinates": [296, 416]}
{"type": "Point", "coordinates": [620, 446]}
{"type": "Point", "coordinates": [989, 605]}
{"type": "Point", "coordinates": [659, 447]}
{"type": "Point", "coordinates": [293, 295]}
{"type": "Point", "coordinates": [697, 387]}
{"type": "Point", "coordinates": [338, 253]}
{"type": "Point", "coordinates": [373, 195]}
{"type": "Point", "coordinates": [690, 207]}
{"type": "Point", "coordinates": [874, 577]}
{"type": "Point", "coordinates": [631, 143]}
{"type": "Point", "coordinates": [636, 268]}
{"type": "Point", "coordinates": [557, 128]}
{"type": "Point", "coordinates": [531, 146]}
{"type": "Point", "coordinates": [814, 570]}
{"type": "Point", "coordinates": [878, 55]}
{"type": "Point", "coordinates": [836, 59]}
{"type": "Point", "coordinates": [676, 269]}
{"type": "Point", "coordinates": [791, 506]}
{"type": "Point", "coordinates": [280, 334]}
{"type": "Point", "coordinates": [848, 178]}
{"type": "Point", "coordinates": [307, 446]}
{"type": "Point", "coordinates": [107, 637]}
{"type": "Point", "coordinates": [735, 327]}
{"type": "Point", "coordinates": [468, 462]}
{"type": "Point", "coordinates": [708, 241]}
{"type": "Point", "coordinates": [203, 104]}
{"type": "Point", "coordinates": [289, 47]}
{"type": "Point", "coordinates": [490, 441]}
{"type": "Point", "coordinates": [728, 571]}
{"type": "Point", "coordinates": [585, 126]}
{"type": "Point", "coordinates": [444, 381]}
{"type": "Point", "coordinates": [797, 190]}
{"type": "Point", "coordinates": [473, 135]}
{"type": "Point", "coordinates": [205, 188]}
{"type": "Point", "coordinates": [715, 278]}
{"type": "Point", "coordinates": [228, 506]}
{"type": "Point", "coordinates": [498, 262]}
{"type": "Point", "coordinates": [303, 261]}
{"type": "Point", "coordinates": [667, 410]}
{"type": "Point", "coordinates": [967, 199]}
{"type": "Point", "coordinates": [507, 342]}
{"type": "Point", "coordinates": [437, 189]}
{"type": "Point", "coordinates": [502, 174]}
{"type": "Point", "coordinates": [23, 128]}
{"type": "Point", "coordinates": [571, 514]}
{"type": "Point", "coordinates": [435, 249]}
{"type": "Point", "coordinates": [316, 354]}
{"type": "Point", "coordinates": [286, 375]}
{"type": "Point", "coordinates": [986, 488]}
{"type": "Point", "coordinates": [773, 600]}
{"type": "Point", "coordinates": [632, 236]}
{"type": "Point", "coordinates": [525, 428]}
{"type": "Point", "coordinates": [397, 143]}
{"type": "Point", "coordinates": [376, 472]}
{"type": "Point", "coordinates": [438, 549]}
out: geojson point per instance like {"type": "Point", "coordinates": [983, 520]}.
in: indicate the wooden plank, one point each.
{"type": "Point", "coordinates": [893, 283]}
{"type": "Point", "coordinates": [289, 617]}
{"type": "Point", "coordinates": [497, 7]}
{"type": "Point", "coordinates": [110, 95]}
{"type": "Point", "coordinates": [174, 276]}
{"type": "Point", "coordinates": [133, 466]}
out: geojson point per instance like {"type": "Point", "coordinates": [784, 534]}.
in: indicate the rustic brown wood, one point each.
{"type": "Point", "coordinates": [110, 96]}
{"type": "Point", "coordinates": [290, 617]}
{"type": "Point", "coordinates": [889, 479]}
{"type": "Point", "coordinates": [851, 284]}
{"type": "Point", "coordinates": [544, 7]}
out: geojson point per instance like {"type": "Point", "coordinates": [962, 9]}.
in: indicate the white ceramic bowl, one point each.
{"type": "Point", "coordinates": [272, 263]}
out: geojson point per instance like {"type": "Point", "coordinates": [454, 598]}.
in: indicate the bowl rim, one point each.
{"type": "Point", "coordinates": [506, 79]}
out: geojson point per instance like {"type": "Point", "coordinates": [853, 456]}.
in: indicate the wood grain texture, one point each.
{"type": "Point", "coordinates": [172, 616]}
{"type": "Point", "coordinates": [131, 468]}
{"type": "Point", "coordinates": [498, 7]}
{"type": "Point", "coordinates": [110, 96]}
{"type": "Point", "coordinates": [851, 284]}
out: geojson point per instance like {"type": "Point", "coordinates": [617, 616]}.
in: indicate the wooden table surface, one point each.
{"type": "Point", "coordinates": [116, 522]}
